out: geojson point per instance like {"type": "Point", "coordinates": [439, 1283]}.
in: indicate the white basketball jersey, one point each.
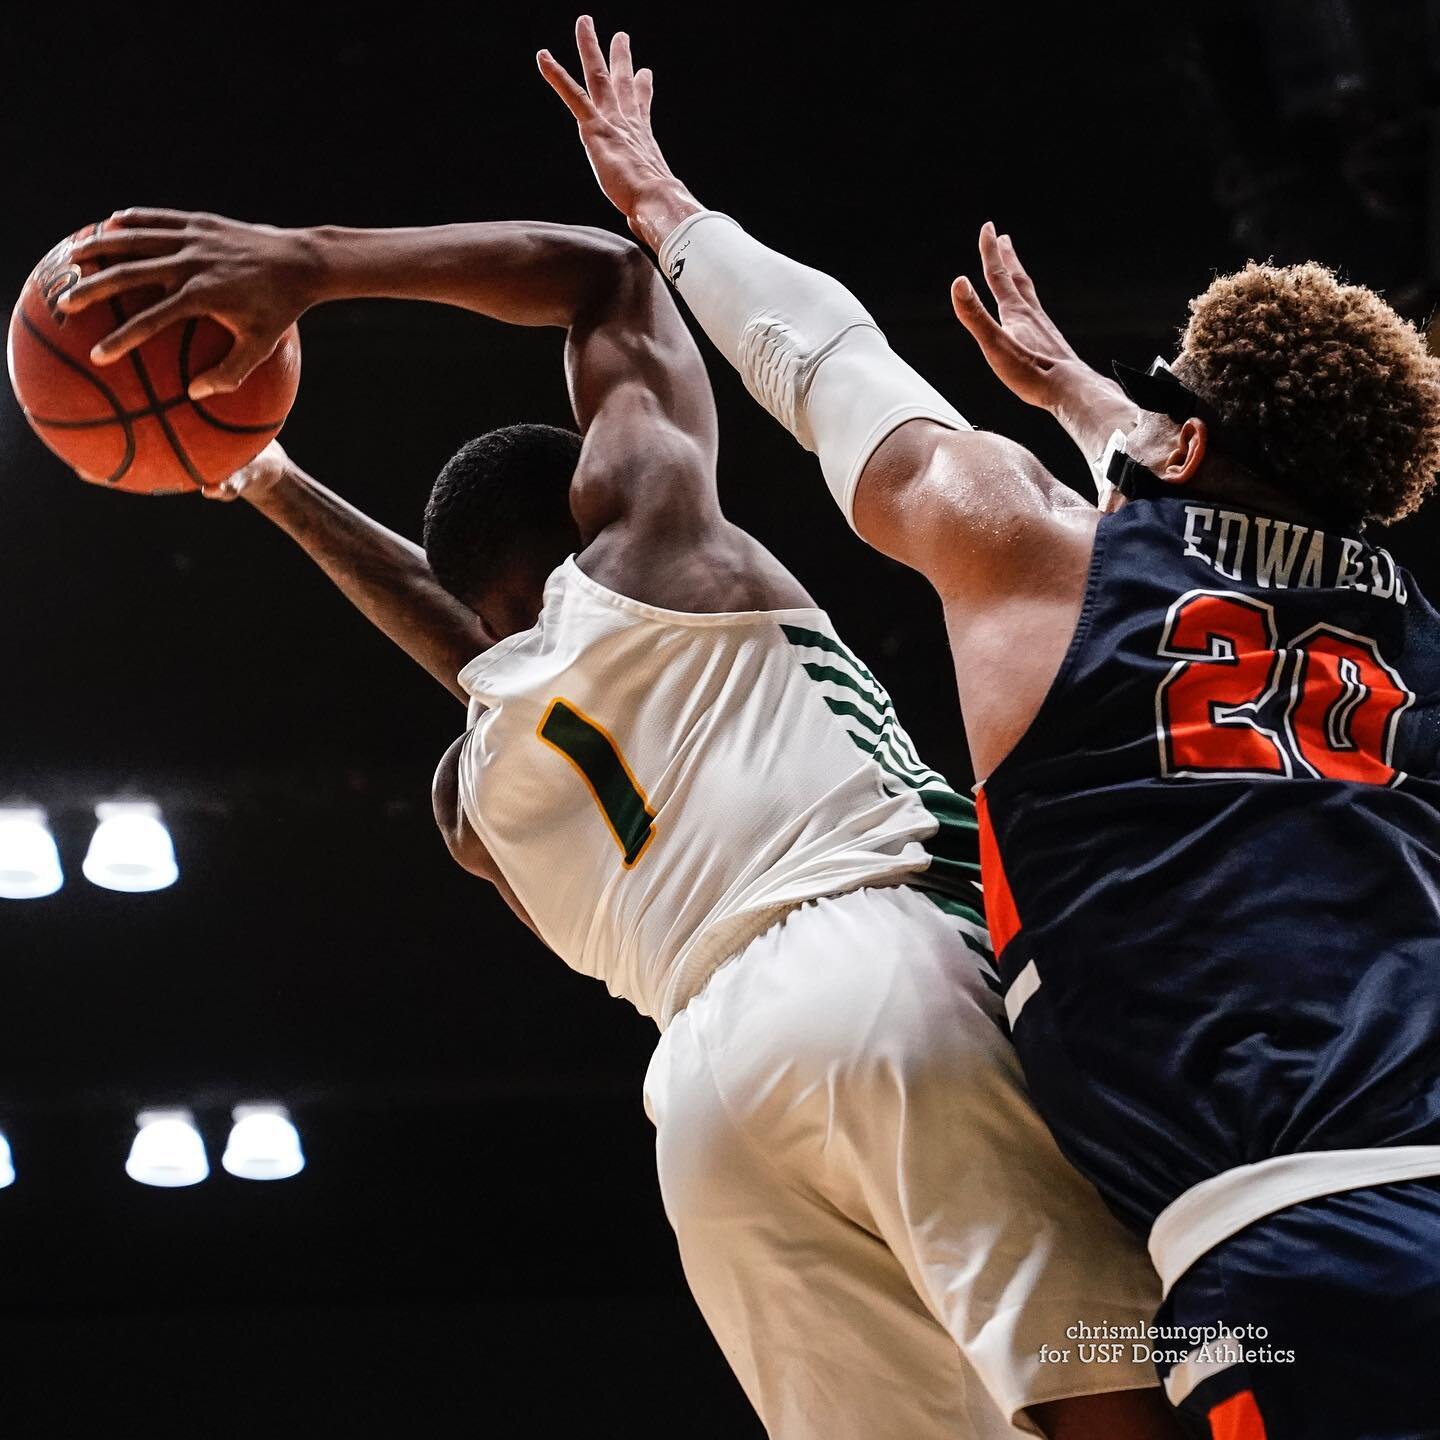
{"type": "Point", "coordinates": [658, 787]}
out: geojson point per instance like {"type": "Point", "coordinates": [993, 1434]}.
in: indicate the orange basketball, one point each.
{"type": "Point", "coordinates": [130, 425]}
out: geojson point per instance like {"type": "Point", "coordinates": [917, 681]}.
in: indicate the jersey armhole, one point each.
{"type": "Point", "coordinates": [1017, 754]}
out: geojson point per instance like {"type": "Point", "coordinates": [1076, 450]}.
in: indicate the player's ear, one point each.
{"type": "Point", "coordinates": [1186, 453]}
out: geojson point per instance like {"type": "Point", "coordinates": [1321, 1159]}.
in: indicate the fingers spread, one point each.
{"type": "Point", "coordinates": [970, 311]}
{"type": "Point", "coordinates": [968, 304]}
{"type": "Point", "coordinates": [164, 272]}
{"type": "Point", "coordinates": [997, 275]}
{"type": "Point", "coordinates": [139, 328]}
{"type": "Point", "coordinates": [1023, 283]}
{"type": "Point", "coordinates": [151, 218]}
{"type": "Point", "coordinates": [232, 372]}
{"type": "Point", "coordinates": [592, 60]}
{"type": "Point", "coordinates": [565, 86]}
{"type": "Point", "coordinates": [622, 71]}
{"type": "Point", "coordinates": [644, 93]}
{"type": "Point", "coordinates": [126, 244]}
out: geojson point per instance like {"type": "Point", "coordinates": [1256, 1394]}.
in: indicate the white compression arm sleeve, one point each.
{"type": "Point", "coordinates": [806, 348]}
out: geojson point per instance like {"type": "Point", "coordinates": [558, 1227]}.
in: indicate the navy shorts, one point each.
{"type": "Point", "coordinates": [1332, 1317]}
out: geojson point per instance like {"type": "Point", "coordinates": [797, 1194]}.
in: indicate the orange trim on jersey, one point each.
{"type": "Point", "coordinates": [1001, 915]}
{"type": "Point", "coordinates": [1237, 1418]}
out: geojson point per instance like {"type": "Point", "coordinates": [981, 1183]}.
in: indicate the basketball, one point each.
{"type": "Point", "coordinates": [130, 425]}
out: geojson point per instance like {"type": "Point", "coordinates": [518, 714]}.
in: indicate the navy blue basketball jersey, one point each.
{"type": "Point", "coordinates": [1212, 863]}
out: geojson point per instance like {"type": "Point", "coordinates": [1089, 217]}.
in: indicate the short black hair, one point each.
{"type": "Point", "coordinates": [501, 497]}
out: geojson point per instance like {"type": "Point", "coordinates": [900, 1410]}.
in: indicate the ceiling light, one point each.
{"type": "Point", "coordinates": [29, 861]}
{"type": "Point", "coordinates": [264, 1144]}
{"type": "Point", "coordinates": [167, 1150]}
{"type": "Point", "coordinates": [131, 849]}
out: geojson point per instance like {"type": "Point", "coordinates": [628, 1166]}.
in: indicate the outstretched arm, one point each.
{"type": "Point", "coordinates": [1005, 545]}
{"type": "Point", "coordinates": [811, 354]}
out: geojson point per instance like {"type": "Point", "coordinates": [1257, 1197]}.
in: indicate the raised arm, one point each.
{"type": "Point", "coordinates": [812, 355]}
{"type": "Point", "coordinates": [637, 384]}
{"type": "Point", "coordinates": [1005, 545]}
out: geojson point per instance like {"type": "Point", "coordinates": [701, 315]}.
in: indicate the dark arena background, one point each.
{"type": "Point", "coordinates": [476, 1245]}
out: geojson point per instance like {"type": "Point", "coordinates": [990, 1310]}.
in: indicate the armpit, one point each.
{"type": "Point", "coordinates": [465, 846]}
{"type": "Point", "coordinates": [462, 842]}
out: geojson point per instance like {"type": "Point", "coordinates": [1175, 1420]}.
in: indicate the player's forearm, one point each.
{"type": "Point", "coordinates": [1091, 408]}
{"type": "Point", "coordinates": [382, 574]}
{"type": "Point", "coordinates": [806, 348]}
{"type": "Point", "coordinates": [521, 272]}
{"type": "Point", "coordinates": [660, 209]}
{"type": "Point", "coordinates": [1088, 406]}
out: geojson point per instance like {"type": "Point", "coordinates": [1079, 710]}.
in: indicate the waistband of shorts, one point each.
{"type": "Point", "coordinates": [722, 942]}
{"type": "Point", "coordinates": [1201, 1217]}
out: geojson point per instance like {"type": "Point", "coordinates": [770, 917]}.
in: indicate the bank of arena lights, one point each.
{"type": "Point", "coordinates": [169, 1152]}
{"type": "Point", "coordinates": [130, 850]}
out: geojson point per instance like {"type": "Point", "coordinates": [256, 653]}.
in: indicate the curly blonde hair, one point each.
{"type": "Point", "coordinates": [1338, 390]}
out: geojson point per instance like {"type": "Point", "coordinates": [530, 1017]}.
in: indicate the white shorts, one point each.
{"type": "Point", "coordinates": [876, 1225]}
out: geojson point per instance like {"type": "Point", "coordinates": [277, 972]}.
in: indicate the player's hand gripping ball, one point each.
{"type": "Point", "coordinates": [131, 425]}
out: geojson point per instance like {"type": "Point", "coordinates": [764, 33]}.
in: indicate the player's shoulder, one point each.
{"type": "Point", "coordinates": [714, 568]}
{"type": "Point", "coordinates": [978, 514]}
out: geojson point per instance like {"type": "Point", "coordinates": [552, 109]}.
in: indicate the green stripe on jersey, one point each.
{"type": "Point", "coordinates": [903, 759]}
{"type": "Point", "coordinates": [969, 925]}
{"type": "Point", "coordinates": [953, 876]}
{"type": "Point", "coordinates": [868, 692]}
{"type": "Point", "coordinates": [797, 635]}
{"type": "Point", "coordinates": [854, 712]}
{"type": "Point", "coordinates": [951, 906]}
{"type": "Point", "coordinates": [955, 847]}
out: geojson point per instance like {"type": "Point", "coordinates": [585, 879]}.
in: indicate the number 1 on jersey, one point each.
{"type": "Point", "coordinates": [590, 748]}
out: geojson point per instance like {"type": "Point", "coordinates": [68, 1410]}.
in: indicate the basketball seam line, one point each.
{"type": "Point", "coordinates": [101, 420]}
{"type": "Point", "coordinates": [231, 426]}
{"type": "Point", "coordinates": [126, 419]}
{"type": "Point", "coordinates": [143, 375]}
{"type": "Point", "coordinates": [121, 417]}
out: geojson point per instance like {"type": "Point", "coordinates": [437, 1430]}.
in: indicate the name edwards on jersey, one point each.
{"type": "Point", "coordinates": [1277, 554]}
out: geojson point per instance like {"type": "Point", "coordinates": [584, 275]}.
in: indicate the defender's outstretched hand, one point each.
{"type": "Point", "coordinates": [612, 109]}
{"type": "Point", "coordinates": [1025, 348]}
{"type": "Point", "coordinates": [251, 278]}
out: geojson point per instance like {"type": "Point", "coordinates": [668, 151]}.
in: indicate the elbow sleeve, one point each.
{"type": "Point", "coordinates": [806, 348]}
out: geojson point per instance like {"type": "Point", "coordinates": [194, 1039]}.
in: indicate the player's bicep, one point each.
{"type": "Point", "coordinates": [976, 514]}
{"type": "Point", "coordinates": [642, 398]}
